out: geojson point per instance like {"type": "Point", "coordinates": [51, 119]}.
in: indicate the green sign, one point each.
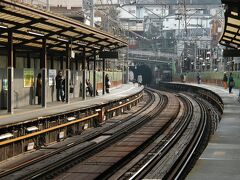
{"type": "Point", "coordinates": [28, 77]}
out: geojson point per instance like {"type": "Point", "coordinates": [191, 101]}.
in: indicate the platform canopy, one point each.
{"type": "Point", "coordinates": [31, 25]}
{"type": "Point", "coordinates": [231, 32]}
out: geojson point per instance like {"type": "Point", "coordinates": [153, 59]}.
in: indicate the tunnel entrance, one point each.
{"type": "Point", "coordinates": [143, 70]}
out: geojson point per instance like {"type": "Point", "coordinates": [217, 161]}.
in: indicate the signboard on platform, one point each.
{"type": "Point", "coordinates": [231, 53]}
{"type": "Point", "coordinates": [5, 84]}
{"type": "Point", "coordinates": [28, 77]}
{"type": "Point", "coordinates": [52, 73]}
{"type": "Point", "coordinates": [109, 54]}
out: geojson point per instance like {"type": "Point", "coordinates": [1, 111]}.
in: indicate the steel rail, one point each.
{"type": "Point", "coordinates": [87, 150]}
{"type": "Point", "coordinates": [165, 148]}
{"type": "Point", "coordinates": [196, 142]}
{"type": "Point", "coordinates": [52, 168]}
{"type": "Point", "coordinates": [23, 165]}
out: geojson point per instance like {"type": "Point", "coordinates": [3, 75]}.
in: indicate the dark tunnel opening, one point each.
{"type": "Point", "coordinates": [143, 70]}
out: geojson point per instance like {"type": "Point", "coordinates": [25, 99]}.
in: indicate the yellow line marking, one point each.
{"type": "Point", "coordinates": [54, 107]}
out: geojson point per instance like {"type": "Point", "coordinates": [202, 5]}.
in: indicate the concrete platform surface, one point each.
{"type": "Point", "coordinates": [221, 159]}
{"type": "Point", "coordinates": [36, 111]}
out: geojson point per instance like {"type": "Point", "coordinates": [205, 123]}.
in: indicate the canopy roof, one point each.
{"type": "Point", "coordinates": [231, 33]}
{"type": "Point", "coordinates": [30, 25]}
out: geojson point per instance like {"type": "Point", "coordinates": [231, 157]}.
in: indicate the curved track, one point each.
{"type": "Point", "coordinates": [159, 141]}
{"type": "Point", "coordinates": [81, 149]}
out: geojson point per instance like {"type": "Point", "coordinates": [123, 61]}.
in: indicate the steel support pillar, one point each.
{"type": "Point", "coordinates": [10, 74]}
{"type": "Point", "coordinates": [103, 78]}
{"type": "Point", "coordinates": [67, 74]}
{"type": "Point", "coordinates": [84, 75]}
{"type": "Point", "coordinates": [94, 74]}
{"type": "Point", "coordinates": [44, 73]}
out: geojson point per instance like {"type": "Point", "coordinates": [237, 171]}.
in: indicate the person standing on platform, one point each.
{"type": "Point", "coordinates": [63, 90]}
{"type": "Point", "coordinates": [225, 79]}
{"type": "Point", "coordinates": [89, 87]}
{"type": "Point", "coordinates": [230, 83]}
{"type": "Point", "coordinates": [107, 83]}
{"type": "Point", "coordinates": [39, 88]}
{"type": "Point", "coordinates": [198, 78]}
{"type": "Point", "coordinates": [182, 78]}
{"type": "Point", "coordinates": [59, 86]}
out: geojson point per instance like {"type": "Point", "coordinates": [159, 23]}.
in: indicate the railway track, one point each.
{"type": "Point", "coordinates": [82, 147]}
{"type": "Point", "coordinates": [159, 141]}
{"type": "Point", "coordinates": [162, 153]}
{"type": "Point", "coordinates": [177, 153]}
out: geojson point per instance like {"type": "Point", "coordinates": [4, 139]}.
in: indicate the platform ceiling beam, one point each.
{"type": "Point", "coordinates": [231, 33]}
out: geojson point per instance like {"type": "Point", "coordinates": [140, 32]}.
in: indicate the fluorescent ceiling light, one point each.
{"type": "Point", "coordinates": [234, 13]}
{"type": "Point", "coordinates": [35, 33]}
{"type": "Point", "coordinates": [3, 26]}
{"type": "Point", "coordinates": [81, 43]}
{"type": "Point", "coordinates": [62, 39]}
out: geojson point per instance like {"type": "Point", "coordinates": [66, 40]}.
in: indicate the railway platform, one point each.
{"type": "Point", "coordinates": [115, 94]}
{"type": "Point", "coordinates": [221, 158]}
{"type": "Point", "coordinates": [26, 113]}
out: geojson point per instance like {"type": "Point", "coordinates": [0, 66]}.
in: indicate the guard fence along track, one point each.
{"type": "Point", "coordinates": [41, 131]}
{"type": "Point", "coordinates": [79, 150]}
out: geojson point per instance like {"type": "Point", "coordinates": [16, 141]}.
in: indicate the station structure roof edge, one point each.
{"type": "Point", "coordinates": [30, 25]}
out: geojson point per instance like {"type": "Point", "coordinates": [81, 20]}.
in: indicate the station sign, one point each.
{"type": "Point", "coordinates": [230, 1]}
{"type": "Point", "coordinates": [52, 73]}
{"type": "Point", "coordinates": [109, 54]}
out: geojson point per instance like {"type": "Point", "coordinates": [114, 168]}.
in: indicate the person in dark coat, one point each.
{"type": "Point", "coordinates": [198, 78]}
{"type": "Point", "coordinates": [60, 86]}
{"type": "Point", "coordinates": [63, 90]}
{"type": "Point", "coordinates": [107, 83]}
{"type": "Point", "coordinates": [230, 83]}
{"type": "Point", "coordinates": [89, 87]}
{"type": "Point", "coordinates": [39, 88]}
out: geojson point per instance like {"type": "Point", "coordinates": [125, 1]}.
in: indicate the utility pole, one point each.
{"type": "Point", "coordinates": [91, 13]}
{"type": "Point", "coordinates": [48, 5]}
{"type": "Point", "coordinates": [185, 17]}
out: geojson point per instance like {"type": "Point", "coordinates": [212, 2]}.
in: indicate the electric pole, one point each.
{"type": "Point", "coordinates": [48, 5]}
{"type": "Point", "coordinates": [91, 13]}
